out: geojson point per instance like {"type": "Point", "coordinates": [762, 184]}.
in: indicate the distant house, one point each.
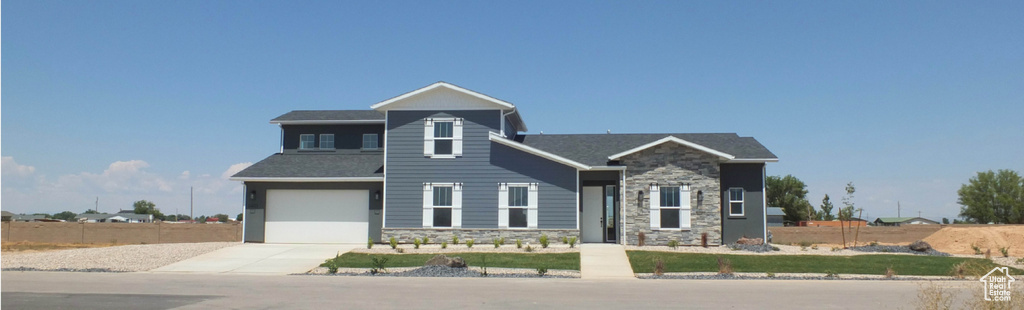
{"type": "Point", "coordinates": [212, 220]}
{"type": "Point", "coordinates": [92, 217]}
{"type": "Point", "coordinates": [900, 221]}
{"type": "Point", "coordinates": [28, 217]}
{"type": "Point", "coordinates": [123, 216]}
{"type": "Point", "coordinates": [774, 217]}
{"type": "Point", "coordinates": [7, 216]}
{"type": "Point", "coordinates": [853, 222]}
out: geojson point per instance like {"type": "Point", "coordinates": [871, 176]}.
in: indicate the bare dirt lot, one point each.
{"type": "Point", "coordinates": [958, 240]}
{"type": "Point", "coordinates": [953, 239]}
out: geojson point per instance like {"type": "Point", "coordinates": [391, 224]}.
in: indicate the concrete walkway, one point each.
{"type": "Point", "coordinates": [258, 258]}
{"type": "Point", "coordinates": [604, 261]}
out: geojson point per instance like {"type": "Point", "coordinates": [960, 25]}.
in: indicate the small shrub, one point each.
{"type": "Point", "coordinates": [444, 244]}
{"type": "Point", "coordinates": [541, 271]}
{"type": "Point", "coordinates": [1005, 251]}
{"type": "Point", "coordinates": [332, 266]}
{"type": "Point", "coordinates": [544, 241]}
{"type": "Point", "coordinates": [426, 240]}
{"type": "Point", "coordinates": [724, 266]}
{"type": "Point", "coordinates": [1020, 260]}
{"type": "Point", "coordinates": [873, 243]}
{"type": "Point", "coordinates": [502, 241]}
{"type": "Point", "coordinates": [394, 243]}
{"type": "Point", "coordinates": [497, 243]}
{"type": "Point", "coordinates": [988, 254]}
{"type": "Point", "coordinates": [803, 248]}
{"type": "Point", "coordinates": [659, 266]}
{"type": "Point", "coordinates": [829, 273]}
{"type": "Point", "coordinates": [400, 250]}
{"type": "Point", "coordinates": [565, 240]}
{"type": "Point", "coordinates": [775, 248]}
{"type": "Point", "coordinates": [416, 243]}
{"type": "Point", "coordinates": [369, 243]}
{"type": "Point", "coordinates": [483, 266]}
{"type": "Point", "coordinates": [673, 244]}
{"type": "Point", "coordinates": [836, 249]}
{"type": "Point", "coordinates": [572, 242]}
{"type": "Point", "coordinates": [814, 247]}
{"type": "Point", "coordinates": [932, 295]}
{"type": "Point", "coordinates": [379, 264]}
{"type": "Point", "coordinates": [455, 240]}
{"type": "Point", "coordinates": [769, 274]}
{"type": "Point", "coordinates": [641, 238]}
{"type": "Point", "coordinates": [529, 248]}
{"type": "Point", "coordinates": [469, 243]}
{"type": "Point", "coordinates": [967, 269]}
{"type": "Point", "coordinates": [519, 244]}
{"type": "Point", "coordinates": [889, 272]}
{"type": "Point", "coordinates": [977, 250]}
{"type": "Point", "coordinates": [704, 240]}
{"type": "Point", "coordinates": [805, 244]}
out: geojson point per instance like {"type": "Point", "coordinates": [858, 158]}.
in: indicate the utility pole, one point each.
{"type": "Point", "coordinates": [898, 209]}
{"type": "Point", "coordinates": [97, 204]}
{"type": "Point", "coordinates": [191, 207]}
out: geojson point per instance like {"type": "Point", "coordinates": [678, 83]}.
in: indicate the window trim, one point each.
{"type": "Point", "coordinates": [429, 138]}
{"type": "Point", "coordinates": [685, 207]}
{"type": "Point", "coordinates": [743, 207]}
{"type": "Point", "coordinates": [428, 205]}
{"type": "Point", "coordinates": [662, 206]}
{"type": "Point", "coordinates": [376, 140]}
{"type": "Point", "coordinates": [312, 139]}
{"type": "Point", "coordinates": [324, 135]}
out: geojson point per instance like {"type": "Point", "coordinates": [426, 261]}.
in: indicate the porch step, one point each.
{"type": "Point", "coordinates": [604, 261]}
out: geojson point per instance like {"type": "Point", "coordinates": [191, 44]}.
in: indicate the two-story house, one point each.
{"type": "Point", "coordinates": [445, 161]}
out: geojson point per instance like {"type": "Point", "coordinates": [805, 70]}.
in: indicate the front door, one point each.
{"type": "Point", "coordinates": [592, 215]}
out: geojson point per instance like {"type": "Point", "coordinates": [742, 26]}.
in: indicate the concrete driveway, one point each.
{"type": "Point", "coordinates": [258, 258]}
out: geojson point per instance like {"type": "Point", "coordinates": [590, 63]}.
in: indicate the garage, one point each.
{"type": "Point", "coordinates": [317, 216]}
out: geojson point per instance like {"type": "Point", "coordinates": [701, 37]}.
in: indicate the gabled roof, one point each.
{"type": "Point", "coordinates": [595, 149]}
{"type": "Point", "coordinates": [901, 219]}
{"type": "Point", "coordinates": [315, 167]}
{"type": "Point", "coordinates": [443, 95]}
{"type": "Point", "coordinates": [674, 140]}
{"type": "Point", "coordinates": [775, 211]}
{"type": "Point", "coordinates": [93, 216]}
{"type": "Point", "coordinates": [493, 136]}
{"type": "Point", "coordinates": [330, 117]}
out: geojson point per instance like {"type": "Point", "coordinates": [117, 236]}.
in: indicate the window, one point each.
{"type": "Point", "coordinates": [442, 205]}
{"type": "Point", "coordinates": [327, 141]}
{"type": "Point", "coordinates": [370, 141]}
{"type": "Point", "coordinates": [442, 137]}
{"type": "Point", "coordinates": [735, 202]}
{"type": "Point", "coordinates": [517, 205]}
{"type": "Point", "coordinates": [670, 207]}
{"type": "Point", "coordinates": [307, 141]}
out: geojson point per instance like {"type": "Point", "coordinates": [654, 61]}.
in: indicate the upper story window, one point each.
{"type": "Point", "coordinates": [327, 141]}
{"type": "Point", "coordinates": [442, 137]}
{"type": "Point", "coordinates": [735, 202]}
{"type": "Point", "coordinates": [307, 141]}
{"type": "Point", "coordinates": [370, 141]}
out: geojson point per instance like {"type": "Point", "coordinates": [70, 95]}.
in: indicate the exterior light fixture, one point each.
{"type": "Point", "coordinates": [700, 197]}
{"type": "Point", "coordinates": [252, 195]}
{"type": "Point", "coordinates": [376, 195]}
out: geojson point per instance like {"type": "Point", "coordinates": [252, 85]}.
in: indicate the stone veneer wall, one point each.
{"type": "Point", "coordinates": [480, 236]}
{"type": "Point", "coordinates": [672, 163]}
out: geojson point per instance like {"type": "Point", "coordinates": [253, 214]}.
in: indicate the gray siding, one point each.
{"type": "Point", "coordinates": [510, 130]}
{"type": "Point", "coordinates": [348, 137]}
{"type": "Point", "coordinates": [750, 178]}
{"type": "Point", "coordinates": [483, 165]}
{"type": "Point", "coordinates": [260, 189]}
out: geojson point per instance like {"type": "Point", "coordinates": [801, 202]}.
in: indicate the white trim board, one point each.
{"type": "Point", "coordinates": [332, 179]}
{"type": "Point", "coordinates": [495, 137]}
{"type": "Point", "coordinates": [382, 106]}
{"type": "Point", "coordinates": [329, 122]}
{"type": "Point", "coordinates": [676, 140]}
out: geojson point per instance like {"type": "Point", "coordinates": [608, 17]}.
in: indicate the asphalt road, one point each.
{"type": "Point", "coordinates": [55, 290]}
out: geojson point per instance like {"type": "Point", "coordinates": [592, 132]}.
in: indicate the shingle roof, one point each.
{"type": "Point", "coordinates": [775, 211]}
{"type": "Point", "coordinates": [330, 115]}
{"type": "Point", "coordinates": [332, 165]}
{"type": "Point", "coordinates": [594, 149]}
{"type": "Point", "coordinates": [900, 219]}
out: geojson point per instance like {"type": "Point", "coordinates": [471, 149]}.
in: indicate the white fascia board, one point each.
{"type": "Point", "coordinates": [607, 168]}
{"type": "Point", "coordinates": [330, 122]}
{"type": "Point", "coordinates": [676, 140]}
{"type": "Point", "coordinates": [338, 179]}
{"type": "Point", "coordinates": [499, 102]}
{"type": "Point", "coordinates": [753, 160]}
{"type": "Point", "coordinates": [495, 137]}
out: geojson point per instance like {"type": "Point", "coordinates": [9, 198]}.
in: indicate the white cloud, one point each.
{"type": "Point", "coordinates": [234, 169]}
{"type": "Point", "coordinates": [184, 175]}
{"type": "Point", "coordinates": [12, 168]}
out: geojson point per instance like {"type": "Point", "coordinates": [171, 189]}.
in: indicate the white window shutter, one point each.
{"type": "Point", "coordinates": [428, 137]}
{"type": "Point", "coordinates": [503, 205]}
{"type": "Point", "coordinates": [684, 213]}
{"type": "Point", "coordinates": [457, 137]}
{"type": "Point", "coordinates": [655, 202]}
{"type": "Point", "coordinates": [428, 205]}
{"type": "Point", "coordinates": [457, 205]}
{"type": "Point", "coordinates": [531, 209]}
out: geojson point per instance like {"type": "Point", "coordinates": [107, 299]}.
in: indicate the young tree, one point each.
{"type": "Point", "coordinates": [846, 213]}
{"type": "Point", "coordinates": [66, 215]}
{"type": "Point", "coordinates": [91, 211]}
{"type": "Point", "coordinates": [239, 217]}
{"type": "Point", "coordinates": [147, 207]}
{"type": "Point", "coordinates": [826, 210]}
{"type": "Point", "coordinates": [945, 220]}
{"type": "Point", "coordinates": [221, 217]}
{"type": "Point", "coordinates": [996, 197]}
{"type": "Point", "coordinates": [789, 193]}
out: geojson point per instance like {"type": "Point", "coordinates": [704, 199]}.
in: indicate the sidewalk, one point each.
{"type": "Point", "coordinates": [604, 261]}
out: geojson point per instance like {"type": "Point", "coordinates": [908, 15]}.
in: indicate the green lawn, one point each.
{"type": "Point", "coordinates": [564, 261]}
{"type": "Point", "coordinates": [643, 262]}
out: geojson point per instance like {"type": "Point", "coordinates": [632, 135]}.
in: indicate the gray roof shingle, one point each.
{"type": "Point", "coordinates": [594, 149]}
{"type": "Point", "coordinates": [330, 115]}
{"type": "Point", "coordinates": [331, 165]}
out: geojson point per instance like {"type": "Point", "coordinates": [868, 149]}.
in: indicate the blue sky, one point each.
{"type": "Point", "coordinates": [142, 99]}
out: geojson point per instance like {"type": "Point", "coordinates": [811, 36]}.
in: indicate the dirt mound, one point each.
{"type": "Point", "coordinates": [958, 239]}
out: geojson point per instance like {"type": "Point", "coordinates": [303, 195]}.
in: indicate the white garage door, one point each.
{"type": "Point", "coordinates": [317, 216]}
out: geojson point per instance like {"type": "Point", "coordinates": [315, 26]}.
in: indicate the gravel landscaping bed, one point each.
{"type": "Point", "coordinates": [462, 248]}
{"type": "Point", "coordinates": [893, 249]}
{"type": "Point", "coordinates": [769, 249]}
{"type": "Point", "coordinates": [784, 276]}
{"type": "Point", "coordinates": [125, 258]}
{"type": "Point", "coordinates": [445, 271]}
